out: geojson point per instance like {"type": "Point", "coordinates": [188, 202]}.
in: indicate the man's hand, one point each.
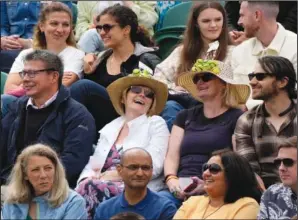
{"type": "Point", "coordinates": [10, 43]}
{"type": "Point", "coordinates": [237, 37]}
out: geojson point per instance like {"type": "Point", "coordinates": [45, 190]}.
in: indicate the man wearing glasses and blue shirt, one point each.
{"type": "Point", "coordinates": [47, 114]}
{"type": "Point", "coordinates": [135, 168]}
{"type": "Point", "coordinates": [280, 200]}
{"type": "Point", "coordinates": [257, 130]}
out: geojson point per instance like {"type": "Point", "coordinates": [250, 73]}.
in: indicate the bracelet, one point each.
{"type": "Point", "coordinates": [171, 177]}
{"type": "Point", "coordinates": [167, 176]}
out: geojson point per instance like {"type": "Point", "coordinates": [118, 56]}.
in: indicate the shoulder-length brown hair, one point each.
{"type": "Point", "coordinates": [193, 43]}
{"type": "Point", "coordinates": [20, 190]}
{"type": "Point", "coordinates": [39, 39]}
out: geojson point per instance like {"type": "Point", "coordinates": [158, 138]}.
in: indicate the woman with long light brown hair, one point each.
{"type": "Point", "coordinates": [206, 37]}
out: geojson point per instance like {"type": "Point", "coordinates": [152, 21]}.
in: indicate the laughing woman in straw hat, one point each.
{"type": "Point", "coordinates": [200, 130]}
{"type": "Point", "coordinates": [135, 98]}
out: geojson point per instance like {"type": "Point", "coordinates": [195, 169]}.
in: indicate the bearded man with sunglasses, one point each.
{"type": "Point", "coordinates": [280, 200]}
{"type": "Point", "coordinates": [135, 168]}
{"type": "Point", "coordinates": [256, 132]}
{"type": "Point", "coordinates": [47, 114]}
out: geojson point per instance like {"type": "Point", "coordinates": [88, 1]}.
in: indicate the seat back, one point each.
{"type": "Point", "coordinates": [3, 80]}
{"type": "Point", "coordinates": [177, 15]}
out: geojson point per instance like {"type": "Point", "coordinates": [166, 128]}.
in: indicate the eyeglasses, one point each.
{"type": "Point", "coordinates": [32, 73]}
{"type": "Point", "coordinates": [287, 162]}
{"type": "Point", "coordinates": [206, 77]}
{"type": "Point", "coordinates": [135, 167]}
{"type": "Point", "coordinates": [139, 89]}
{"type": "Point", "coordinates": [259, 76]}
{"type": "Point", "coordinates": [105, 27]}
{"type": "Point", "coordinates": [213, 168]}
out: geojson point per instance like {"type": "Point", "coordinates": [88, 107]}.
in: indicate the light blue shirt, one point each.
{"type": "Point", "coordinates": [73, 207]}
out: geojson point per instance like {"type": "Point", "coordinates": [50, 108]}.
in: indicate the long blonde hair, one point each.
{"type": "Point", "coordinates": [39, 39]}
{"type": "Point", "coordinates": [20, 190]}
{"type": "Point", "coordinates": [228, 98]}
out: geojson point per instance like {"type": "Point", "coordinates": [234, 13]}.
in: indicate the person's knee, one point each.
{"type": "Point", "coordinates": [173, 105]}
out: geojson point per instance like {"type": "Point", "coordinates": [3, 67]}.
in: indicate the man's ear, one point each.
{"type": "Point", "coordinates": [55, 77]}
{"type": "Point", "coordinates": [119, 169]}
{"type": "Point", "coordinates": [282, 83]}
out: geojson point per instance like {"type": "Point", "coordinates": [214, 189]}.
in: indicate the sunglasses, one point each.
{"type": "Point", "coordinates": [105, 27]}
{"type": "Point", "coordinates": [259, 76]}
{"type": "Point", "coordinates": [287, 162]}
{"type": "Point", "coordinates": [213, 168]}
{"type": "Point", "coordinates": [139, 89]}
{"type": "Point", "coordinates": [135, 167]}
{"type": "Point", "coordinates": [206, 77]}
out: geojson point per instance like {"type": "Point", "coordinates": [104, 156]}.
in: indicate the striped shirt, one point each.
{"type": "Point", "coordinates": [257, 140]}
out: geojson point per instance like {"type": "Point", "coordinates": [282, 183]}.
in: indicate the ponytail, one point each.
{"type": "Point", "coordinates": [143, 37]}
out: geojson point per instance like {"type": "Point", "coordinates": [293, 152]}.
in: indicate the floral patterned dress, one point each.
{"type": "Point", "coordinates": [94, 191]}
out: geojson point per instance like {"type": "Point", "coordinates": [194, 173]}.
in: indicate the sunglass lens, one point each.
{"type": "Point", "coordinates": [149, 94]}
{"type": "Point", "coordinates": [214, 168]}
{"type": "Point", "coordinates": [136, 89]}
{"type": "Point", "coordinates": [107, 27]}
{"type": "Point", "coordinates": [207, 77]}
{"type": "Point", "coordinates": [288, 162]}
{"type": "Point", "coordinates": [260, 76]}
{"type": "Point", "coordinates": [277, 162]}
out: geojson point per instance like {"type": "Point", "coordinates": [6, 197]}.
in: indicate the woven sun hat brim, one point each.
{"type": "Point", "coordinates": [116, 89]}
{"type": "Point", "coordinates": [240, 91]}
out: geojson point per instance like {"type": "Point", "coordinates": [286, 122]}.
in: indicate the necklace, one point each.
{"type": "Point", "coordinates": [203, 217]}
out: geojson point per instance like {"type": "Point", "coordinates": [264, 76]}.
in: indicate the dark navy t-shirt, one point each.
{"type": "Point", "coordinates": [152, 207]}
{"type": "Point", "coordinates": [202, 136]}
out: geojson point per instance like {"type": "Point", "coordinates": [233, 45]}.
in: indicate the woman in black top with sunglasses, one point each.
{"type": "Point", "coordinates": [126, 50]}
{"type": "Point", "coordinates": [232, 190]}
{"type": "Point", "coordinates": [200, 130]}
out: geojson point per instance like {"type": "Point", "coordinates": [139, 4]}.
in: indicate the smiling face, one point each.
{"type": "Point", "coordinates": [210, 22]}
{"type": "Point", "coordinates": [138, 104]}
{"type": "Point", "coordinates": [263, 89]}
{"type": "Point", "coordinates": [113, 36]}
{"type": "Point", "coordinates": [208, 90]}
{"type": "Point", "coordinates": [288, 175]}
{"type": "Point", "coordinates": [56, 28]}
{"type": "Point", "coordinates": [42, 83]}
{"type": "Point", "coordinates": [215, 184]}
{"type": "Point", "coordinates": [40, 172]}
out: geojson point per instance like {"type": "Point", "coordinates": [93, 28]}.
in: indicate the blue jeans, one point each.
{"type": "Point", "coordinates": [170, 112]}
{"type": "Point", "coordinates": [7, 57]}
{"type": "Point", "coordinates": [5, 101]}
{"type": "Point", "coordinates": [96, 99]}
{"type": "Point", "coordinates": [166, 193]}
{"type": "Point", "coordinates": [91, 42]}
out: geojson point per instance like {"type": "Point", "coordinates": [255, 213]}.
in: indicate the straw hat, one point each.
{"type": "Point", "coordinates": [138, 78]}
{"type": "Point", "coordinates": [223, 71]}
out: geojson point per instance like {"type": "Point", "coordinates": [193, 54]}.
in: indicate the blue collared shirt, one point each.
{"type": "Point", "coordinates": [153, 206]}
{"type": "Point", "coordinates": [20, 17]}
{"type": "Point", "coordinates": [278, 202]}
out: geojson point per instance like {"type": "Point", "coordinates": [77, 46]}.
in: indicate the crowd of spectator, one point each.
{"type": "Point", "coordinates": [95, 125]}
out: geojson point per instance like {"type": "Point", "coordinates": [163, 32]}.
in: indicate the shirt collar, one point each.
{"type": "Point", "coordinates": [275, 45]}
{"type": "Point", "coordinates": [46, 104]}
{"type": "Point", "coordinates": [138, 120]}
{"type": "Point", "coordinates": [139, 206]}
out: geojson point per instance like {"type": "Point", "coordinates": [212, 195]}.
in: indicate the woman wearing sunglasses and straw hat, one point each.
{"type": "Point", "coordinates": [135, 98]}
{"type": "Point", "coordinates": [200, 130]}
{"type": "Point", "coordinates": [231, 187]}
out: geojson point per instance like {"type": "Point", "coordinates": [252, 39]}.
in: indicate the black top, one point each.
{"type": "Point", "coordinates": [101, 75]}
{"type": "Point", "coordinates": [202, 136]}
{"type": "Point", "coordinates": [32, 122]}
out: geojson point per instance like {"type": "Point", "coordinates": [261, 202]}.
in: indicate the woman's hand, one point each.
{"type": "Point", "coordinates": [89, 59]}
{"type": "Point", "coordinates": [174, 188]}
{"type": "Point", "coordinates": [128, 3]}
{"type": "Point", "coordinates": [199, 189]}
{"type": "Point", "coordinates": [111, 175]}
{"type": "Point", "coordinates": [10, 43]}
{"type": "Point", "coordinates": [69, 78]}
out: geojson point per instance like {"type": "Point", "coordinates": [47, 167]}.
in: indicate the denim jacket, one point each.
{"type": "Point", "coordinates": [72, 208]}
{"type": "Point", "coordinates": [20, 17]}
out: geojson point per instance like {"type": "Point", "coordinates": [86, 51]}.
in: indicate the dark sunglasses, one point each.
{"type": "Point", "coordinates": [287, 162]}
{"type": "Point", "coordinates": [213, 168]}
{"type": "Point", "coordinates": [105, 27]}
{"type": "Point", "coordinates": [206, 77]}
{"type": "Point", "coordinates": [135, 167]}
{"type": "Point", "coordinates": [139, 89]}
{"type": "Point", "coordinates": [259, 76]}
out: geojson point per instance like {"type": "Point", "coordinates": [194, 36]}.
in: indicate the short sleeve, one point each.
{"type": "Point", "coordinates": [181, 118]}
{"type": "Point", "coordinates": [18, 64]}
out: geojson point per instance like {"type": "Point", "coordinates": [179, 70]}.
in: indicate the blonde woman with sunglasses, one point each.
{"type": "Point", "coordinates": [135, 98]}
